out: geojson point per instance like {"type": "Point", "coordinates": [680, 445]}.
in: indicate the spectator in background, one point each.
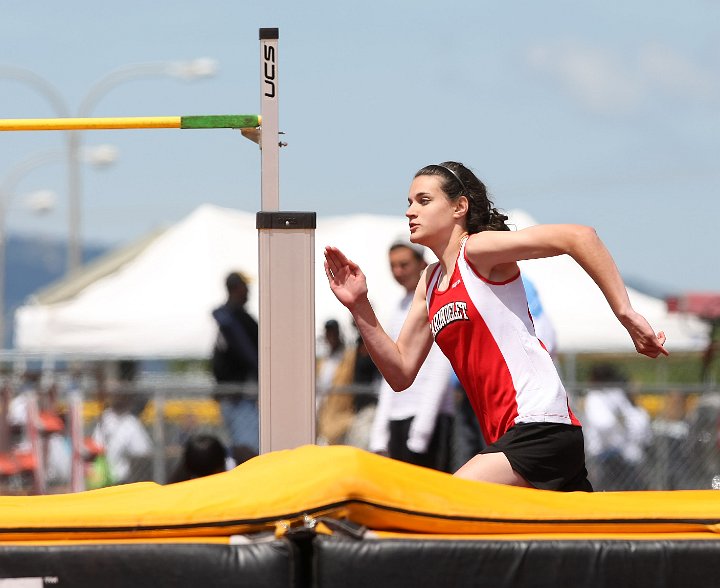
{"type": "Point", "coordinates": [333, 400]}
{"type": "Point", "coordinates": [345, 390]}
{"type": "Point", "coordinates": [329, 360]}
{"type": "Point", "coordinates": [48, 429]}
{"type": "Point", "coordinates": [339, 373]}
{"type": "Point", "coordinates": [364, 381]}
{"type": "Point", "coordinates": [617, 432]}
{"type": "Point", "coordinates": [203, 455]}
{"type": "Point", "coordinates": [122, 437]}
{"type": "Point", "coordinates": [345, 413]}
{"type": "Point", "coordinates": [235, 367]}
{"type": "Point", "coordinates": [414, 425]}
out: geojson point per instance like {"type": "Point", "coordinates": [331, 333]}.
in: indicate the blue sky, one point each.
{"type": "Point", "coordinates": [601, 113]}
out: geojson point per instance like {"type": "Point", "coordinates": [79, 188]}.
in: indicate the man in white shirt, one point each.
{"type": "Point", "coordinates": [123, 437]}
{"type": "Point", "coordinates": [414, 425]}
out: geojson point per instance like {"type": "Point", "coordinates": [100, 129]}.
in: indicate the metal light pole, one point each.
{"type": "Point", "coordinates": [185, 70]}
{"type": "Point", "coordinates": [7, 189]}
{"type": "Point", "coordinates": [101, 155]}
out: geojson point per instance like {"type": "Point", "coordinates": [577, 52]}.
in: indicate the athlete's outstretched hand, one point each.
{"type": "Point", "coordinates": [645, 340]}
{"type": "Point", "coordinates": [346, 279]}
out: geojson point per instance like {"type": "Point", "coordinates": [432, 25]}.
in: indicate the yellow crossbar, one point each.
{"type": "Point", "coordinates": [79, 124]}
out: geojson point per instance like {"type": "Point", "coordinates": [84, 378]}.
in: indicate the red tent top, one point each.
{"type": "Point", "coordinates": [703, 304]}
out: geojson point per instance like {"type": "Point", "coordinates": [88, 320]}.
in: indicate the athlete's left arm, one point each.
{"type": "Point", "coordinates": [493, 252]}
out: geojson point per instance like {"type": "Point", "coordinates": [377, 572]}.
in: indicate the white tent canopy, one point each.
{"type": "Point", "coordinates": [155, 299]}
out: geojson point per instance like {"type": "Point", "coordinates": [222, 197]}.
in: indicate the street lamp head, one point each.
{"type": "Point", "coordinates": [100, 155]}
{"type": "Point", "coordinates": [202, 67]}
{"type": "Point", "coordinates": [41, 201]}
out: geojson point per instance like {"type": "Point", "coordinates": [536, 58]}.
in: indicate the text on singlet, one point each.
{"type": "Point", "coordinates": [451, 312]}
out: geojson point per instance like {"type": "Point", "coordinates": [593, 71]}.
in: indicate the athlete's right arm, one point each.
{"type": "Point", "coordinates": [398, 362]}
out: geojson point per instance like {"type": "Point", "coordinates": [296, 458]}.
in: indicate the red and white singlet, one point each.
{"type": "Point", "coordinates": [486, 331]}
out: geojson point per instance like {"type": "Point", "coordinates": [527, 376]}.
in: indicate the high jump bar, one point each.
{"type": "Point", "coordinates": [209, 121]}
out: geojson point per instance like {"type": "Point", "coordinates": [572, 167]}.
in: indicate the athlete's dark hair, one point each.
{"type": "Point", "coordinates": [456, 180]}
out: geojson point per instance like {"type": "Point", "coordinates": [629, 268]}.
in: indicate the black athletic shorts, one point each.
{"type": "Point", "coordinates": [551, 456]}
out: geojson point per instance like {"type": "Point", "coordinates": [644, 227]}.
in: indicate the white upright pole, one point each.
{"type": "Point", "coordinates": [286, 244]}
{"type": "Point", "coordinates": [270, 138]}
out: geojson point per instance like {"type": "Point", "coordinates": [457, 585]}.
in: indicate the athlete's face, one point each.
{"type": "Point", "coordinates": [429, 212]}
{"type": "Point", "coordinates": [406, 267]}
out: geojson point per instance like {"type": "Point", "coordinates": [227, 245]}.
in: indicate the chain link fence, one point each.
{"type": "Point", "coordinates": [137, 430]}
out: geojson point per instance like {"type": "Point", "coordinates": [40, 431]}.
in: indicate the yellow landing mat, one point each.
{"type": "Point", "coordinates": [337, 481]}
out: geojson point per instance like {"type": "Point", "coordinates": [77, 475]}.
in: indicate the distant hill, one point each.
{"type": "Point", "coordinates": [31, 263]}
{"type": "Point", "coordinates": [648, 287]}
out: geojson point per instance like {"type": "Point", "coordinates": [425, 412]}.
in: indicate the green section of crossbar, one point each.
{"type": "Point", "coordinates": [220, 121]}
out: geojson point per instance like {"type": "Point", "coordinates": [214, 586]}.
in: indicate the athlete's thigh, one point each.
{"type": "Point", "coordinates": [491, 467]}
